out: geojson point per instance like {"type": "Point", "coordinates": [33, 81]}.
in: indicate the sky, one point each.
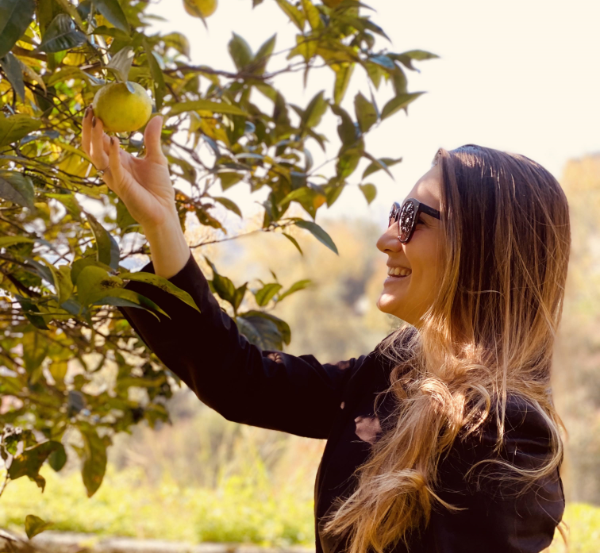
{"type": "Point", "coordinates": [519, 75]}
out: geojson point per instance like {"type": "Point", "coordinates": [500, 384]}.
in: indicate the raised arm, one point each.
{"type": "Point", "coordinates": [269, 389]}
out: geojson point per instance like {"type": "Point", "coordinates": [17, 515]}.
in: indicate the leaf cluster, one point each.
{"type": "Point", "coordinates": [62, 232]}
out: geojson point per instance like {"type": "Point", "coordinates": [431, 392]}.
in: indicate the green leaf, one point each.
{"type": "Point", "coordinates": [240, 52]}
{"type": "Point", "coordinates": [82, 263]}
{"type": "Point", "coordinates": [369, 191]}
{"type": "Point", "coordinates": [305, 47]}
{"type": "Point", "coordinates": [93, 283]}
{"type": "Point", "coordinates": [94, 459]}
{"type": "Point", "coordinates": [111, 9]}
{"type": "Point", "coordinates": [282, 327]}
{"type": "Point", "coordinates": [348, 161]}
{"type": "Point", "coordinates": [69, 8]}
{"type": "Point", "coordinates": [308, 197]}
{"type": "Point", "coordinates": [15, 17]}
{"type": "Point", "coordinates": [61, 278]}
{"type": "Point", "coordinates": [178, 41]}
{"type": "Point", "coordinates": [207, 105]}
{"type": "Point", "coordinates": [229, 178]}
{"type": "Point", "coordinates": [398, 103]}
{"type": "Point", "coordinates": [294, 14]}
{"type": "Point", "coordinates": [30, 309]}
{"type": "Point", "coordinates": [366, 114]}
{"type": "Point", "coordinates": [31, 460]}
{"type": "Point", "coordinates": [315, 110]}
{"type": "Point", "coordinates": [61, 34]}
{"type": "Point", "coordinates": [260, 332]}
{"type": "Point", "coordinates": [58, 458]}
{"type": "Point", "coordinates": [125, 220]}
{"type": "Point", "coordinates": [400, 82]}
{"type": "Point", "coordinates": [382, 163]}
{"type": "Point", "coordinates": [129, 298]}
{"type": "Point", "coordinates": [312, 14]}
{"type": "Point", "coordinates": [164, 284]}
{"type": "Point", "coordinates": [107, 247]}
{"type": "Point", "coordinates": [120, 63]}
{"type": "Point", "coordinates": [318, 233]}
{"type": "Point", "coordinates": [240, 292]}
{"type": "Point", "coordinates": [343, 74]}
{"type": "Point", "coordinates": [35, 349]}
{"type": "Point", "coordinates": [160, 87]}
{"type": "Point", "coordinates": [229, 204]}
{"type": "Point", "coordinates": [35, 525]}
{"type": "Point", "coordinates": [6, 241]}
{"type": "Point", "coordinates": [347, 130]}
{"type": "Point", "coordinates": [293, 241]}
{"type": "Point", "coordinates": [406, 58]}
{"type": "Point", "coordinates": [299, 285]}
{"type": "Point", "coordinates": [259, 63]}
{"type": "Point", "coordinates": [224, 287]}
{"type": "Point", "coordinates": [16, 127]}
{"type": "Point", "coordinates": [375, 73]}
{"type": "Point", "coordinates": [266, 293]}
{"type": "Point", "coordinates": [70, 203]}
{"type": "Point", "coordinates": [16, 187]}
{"type": "Point", "coordinates": [14, 73]}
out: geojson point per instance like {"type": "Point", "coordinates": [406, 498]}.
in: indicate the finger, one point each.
{"type": "Point", "coordinates": [99, 155]}
{"type": "Point", "coordinates": [86, 137]}
{"type": "Point", "coordinates": [152, 140]}
{"type": "Point", "coordinates": [114, 162]}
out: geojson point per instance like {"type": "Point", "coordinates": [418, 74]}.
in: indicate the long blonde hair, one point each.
{"type": "Point", "coordinates": [488, 334]}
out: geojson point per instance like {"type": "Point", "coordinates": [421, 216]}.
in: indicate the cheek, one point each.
{"type": "Point", "coordinates": [424, 258]}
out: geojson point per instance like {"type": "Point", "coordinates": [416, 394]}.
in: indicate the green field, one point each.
{"type": "Point", "coordinates": [241, 509]}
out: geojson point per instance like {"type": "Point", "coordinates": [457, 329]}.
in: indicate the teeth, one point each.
{"type": "Point", "coordinates": [399, 271]}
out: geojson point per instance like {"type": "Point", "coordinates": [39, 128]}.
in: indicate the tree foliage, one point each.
{"type": "Point", "coordinates": [61, 263]}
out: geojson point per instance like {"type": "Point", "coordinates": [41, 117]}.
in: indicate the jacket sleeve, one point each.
{"type": "Point", "coordinates": [268, 389]}
{"type": "Point", "coordinates": [499, 517]}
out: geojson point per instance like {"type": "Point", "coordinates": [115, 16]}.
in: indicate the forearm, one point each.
{"type": "Point", "coordinates": [169, 249]}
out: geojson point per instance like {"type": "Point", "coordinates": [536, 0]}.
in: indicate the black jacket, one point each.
{"type": "Point", "coordinates": [335, 402]}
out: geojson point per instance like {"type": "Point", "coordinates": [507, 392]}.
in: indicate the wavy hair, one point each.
{"type": "Point", "coordinates": [488, 334]}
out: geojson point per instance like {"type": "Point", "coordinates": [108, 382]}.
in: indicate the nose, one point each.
{"type": "Point", "coordinates": [388, 241]}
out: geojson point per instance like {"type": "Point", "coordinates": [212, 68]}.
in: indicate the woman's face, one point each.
{"type": "Point", "coordinates": [409, 297]}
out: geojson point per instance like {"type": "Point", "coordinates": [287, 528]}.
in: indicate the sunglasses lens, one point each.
{"type": "Point", "coordinates": [393, 215]}
{"type": "Point", "coordinates": [407, 220]}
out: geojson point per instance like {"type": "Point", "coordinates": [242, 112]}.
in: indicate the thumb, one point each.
{"type": "Point", "coordinates": [152, 139]}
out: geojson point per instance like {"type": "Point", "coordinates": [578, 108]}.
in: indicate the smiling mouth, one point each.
{"type": "Point", "coordinates": [397, 277]}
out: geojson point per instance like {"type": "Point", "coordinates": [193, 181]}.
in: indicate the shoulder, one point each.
{"type": "Point", "coordinates": [527, 444]}
{"type": "Point", "coordinates": [526, 428]}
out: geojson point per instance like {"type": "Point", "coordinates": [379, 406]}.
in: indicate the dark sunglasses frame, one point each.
{"type": "Point", "coordinates": [407, 215]}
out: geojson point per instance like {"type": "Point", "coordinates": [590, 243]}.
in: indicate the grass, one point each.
{"type": "Point", "coordinates": [242, 508]}
{"type": "Point", "coordinates": [239, 510]}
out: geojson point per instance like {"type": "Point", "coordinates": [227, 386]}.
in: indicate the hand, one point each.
{"type": "Point", "coordinates": [143, 184]}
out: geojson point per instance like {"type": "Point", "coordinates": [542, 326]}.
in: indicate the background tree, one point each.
{"type": "Point", "coordinates": [64, 235]}
{"type": "Point", "coordinates": [576, 368]}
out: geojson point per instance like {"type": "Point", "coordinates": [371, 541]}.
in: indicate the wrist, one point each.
{"type": "Point", "coordinates": [170, 226]}
{"type": "Point", "coordinates": [169, 249]}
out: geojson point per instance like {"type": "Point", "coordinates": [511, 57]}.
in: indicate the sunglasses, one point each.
{"type": "Point", "coordinates": [408, 215]}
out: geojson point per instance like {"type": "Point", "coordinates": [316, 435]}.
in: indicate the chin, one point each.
{"type": "Point", "coordinates": [389, 307]}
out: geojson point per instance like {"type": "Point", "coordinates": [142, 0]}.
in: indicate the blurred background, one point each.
{"type": "Point", "coordinates": [519, 76]}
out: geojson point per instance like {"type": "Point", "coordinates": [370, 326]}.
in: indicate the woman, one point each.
{"type": "Point", "coordinates": [445, 437]}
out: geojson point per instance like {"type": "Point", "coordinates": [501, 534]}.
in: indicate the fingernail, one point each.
{"type": "Point", "coordinates": [88, 110]}
{"type": "Point", "coordinates": [94, 121]}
